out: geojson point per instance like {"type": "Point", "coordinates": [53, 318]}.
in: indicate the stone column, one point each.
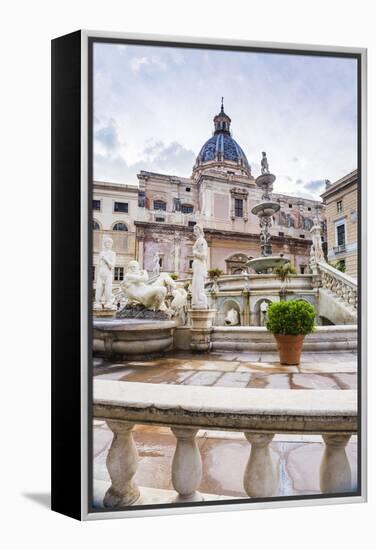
{"type": "Point", "coordinates": [186, 465]}
{"type": "Point", "coordinates": [260, 476]}
{"type": "Point", "coordinates": [121, 464]}
{"type": "Point", "coordinates": [140, 236]}
{"type": "Point", "coordinates": [201, 326]}
{"type": "Point", "coordinates": [246, 313]}
{"type": "Point", "coordinates": [335, 471]}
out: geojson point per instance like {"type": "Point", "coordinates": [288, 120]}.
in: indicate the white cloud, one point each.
{"type": "Point", "coordinates": [301, 110]}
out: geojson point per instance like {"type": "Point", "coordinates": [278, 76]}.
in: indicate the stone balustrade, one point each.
{"type": "Point", "coordinates": [345, 288]}
{"type": "Point", "coordinates": [258, 414]}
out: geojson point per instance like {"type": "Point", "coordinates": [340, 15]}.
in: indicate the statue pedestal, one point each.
{"type": "Point", "coordinates": [104, 312]}
{"type": "Point", "coordinates": [201, 328]}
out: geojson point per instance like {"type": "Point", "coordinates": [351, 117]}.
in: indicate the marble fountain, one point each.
{"type": "Point", "coordinates": [153, 307]}
{"type": "Point", "coordinates": [265, 211]}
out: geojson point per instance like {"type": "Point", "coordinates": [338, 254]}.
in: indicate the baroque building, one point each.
{"type": "Point", "coordinates": [340, 199]}
{"type": "Point", "coordinates": [158, 215]}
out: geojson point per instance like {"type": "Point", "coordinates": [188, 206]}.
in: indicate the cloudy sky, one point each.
{"type": "Point", "coordinates": [154, 108]}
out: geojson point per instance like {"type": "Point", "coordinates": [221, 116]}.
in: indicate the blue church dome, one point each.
{"type": "Point", "coordinates": [222, 147]}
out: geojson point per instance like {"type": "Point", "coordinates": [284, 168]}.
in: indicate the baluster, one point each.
{"type": "Point", "coordinates": [341, 290]}
{"type": "Point", "coordinates": [335, 472]}
{"type": "Point", "coordinates": [260, 476]}
{"type": "Point", "coordinates": [121, 464]}
{"type": "Point", "coordinates": [351, 299]}
{"type": "Point", "coordinates": [186, 465]}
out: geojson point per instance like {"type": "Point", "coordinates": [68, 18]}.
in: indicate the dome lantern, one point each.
{"type": "Point", "coordinates": [222, 122]}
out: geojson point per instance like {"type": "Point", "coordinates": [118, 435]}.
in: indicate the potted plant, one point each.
{"type": "Point", "coordinates": [284, 272]}
{"type": "Point", "coordinates": [215, 272]}
{"type": "Point", "coordinates": [289, 322]}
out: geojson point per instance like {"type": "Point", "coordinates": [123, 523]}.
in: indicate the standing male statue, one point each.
{"type": "Point", "coordinates": [200, 254]}
{"type": "Point", "coordinates": [317, 253]}
{"type": "Point", "coordinates": [105, 270]}
{"type": "Point", "coordinates": [264, 164]}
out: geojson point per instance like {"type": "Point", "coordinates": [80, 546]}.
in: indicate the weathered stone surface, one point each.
{"type": "Point", "coordinates": [320, 411]}
{"type": "Point", "coordinates": [126, 338]}
{"type": "Point", "coordinates": [138, 311]}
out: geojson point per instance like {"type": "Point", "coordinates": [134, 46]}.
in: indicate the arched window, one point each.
{"type": "Point", "coordinates": [187, 208]}
{"type": "Point", "coordinates": [96, 226]}
{"type": "Point", "coordinates": [159, 205]}
{"type": "Point", "coordinates": [120, 226]}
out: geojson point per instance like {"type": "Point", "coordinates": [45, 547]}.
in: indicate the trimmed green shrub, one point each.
{"type": "Point", "coordinates": [292, 317]}
{"type": "Point", "coordinates": [284, 271]}
{"type": "Point", "coordinates": [174, 276]}
{"type": "Point", "coordinates": [215, 272]}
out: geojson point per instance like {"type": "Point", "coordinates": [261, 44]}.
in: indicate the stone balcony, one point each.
{"type": "Point", "coordinates": [324, 382]}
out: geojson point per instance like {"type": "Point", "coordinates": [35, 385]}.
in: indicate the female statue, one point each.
{"type": "Point", "coordinates": [156, 264]}
{"type": "Point", "coordinates": [103, 291]}
{"type": "Point", "coordinates": [200, 254]}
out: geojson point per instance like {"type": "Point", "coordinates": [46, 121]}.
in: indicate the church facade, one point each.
{"type": "Point", "coordinates": [159, 214]}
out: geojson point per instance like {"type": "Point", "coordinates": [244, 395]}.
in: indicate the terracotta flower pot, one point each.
{"type": "Point", "coordinates": [290, 348]}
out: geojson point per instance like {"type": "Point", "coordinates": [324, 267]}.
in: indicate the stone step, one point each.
{"type": "Point", "coordinates": [328, 338]}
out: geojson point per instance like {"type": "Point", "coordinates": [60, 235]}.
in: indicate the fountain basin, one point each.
{"type": "Point", "coordinates": [267, 208]}
{"type": "Point", "coordinates": [135, 338]}
{"type": "Point", "coordinates": [265, 264]}
{"type": "Point", "coordinates": [265, 180]}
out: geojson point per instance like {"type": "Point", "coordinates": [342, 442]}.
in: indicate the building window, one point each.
{"type": "Point", "coordinates": [93, 272]}
{"type": "Point", "coordinates": [187, 208]}
{"type": "Point", "coordinates": [339, 206]}
{"type": "Point", "coordinates": [157, 219]}
{"type": "Point", "coordinates": [159, 205]}
{"type": "Point", "coordinates": [96, 204]}
{"type": "Point", "coordinates": [302, 236]}
{"type": "Point", "coordinates": [290, 205]}
{"type": "Point", "coordinates": [281, 234]}
{"type": "Point", "coordinates": [302, 269]}
{"type": "Point", "coordinates": [239, 208]}
{"type": "Point", "coordinates": [121, 207]}
{"type": "Point", "coordinates": [120, 227]}
{"type": "Point", "coordinates": [190, 264]}
{"type": "Point", "coordinates": [191, 223]}
{"type": "Point", "coordinates": [188, 189]}
{"type": "Point", "coordinates": [309, 209]}
{"type": "Point", "coordinates": [341, 234]}
{"type": "Point", "coordinates": [96, 225]}
{"type": "Point", "coordinates": [119, 274]}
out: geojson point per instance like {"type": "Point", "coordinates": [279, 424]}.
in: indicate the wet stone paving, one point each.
{"type": "Point", "coordinates": [224, 454]}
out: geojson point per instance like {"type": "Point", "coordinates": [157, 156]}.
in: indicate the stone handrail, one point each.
{"type": "Point", "coordinates": [259, 414]}
{"type": "Point", "coordinates": [340, 284]}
